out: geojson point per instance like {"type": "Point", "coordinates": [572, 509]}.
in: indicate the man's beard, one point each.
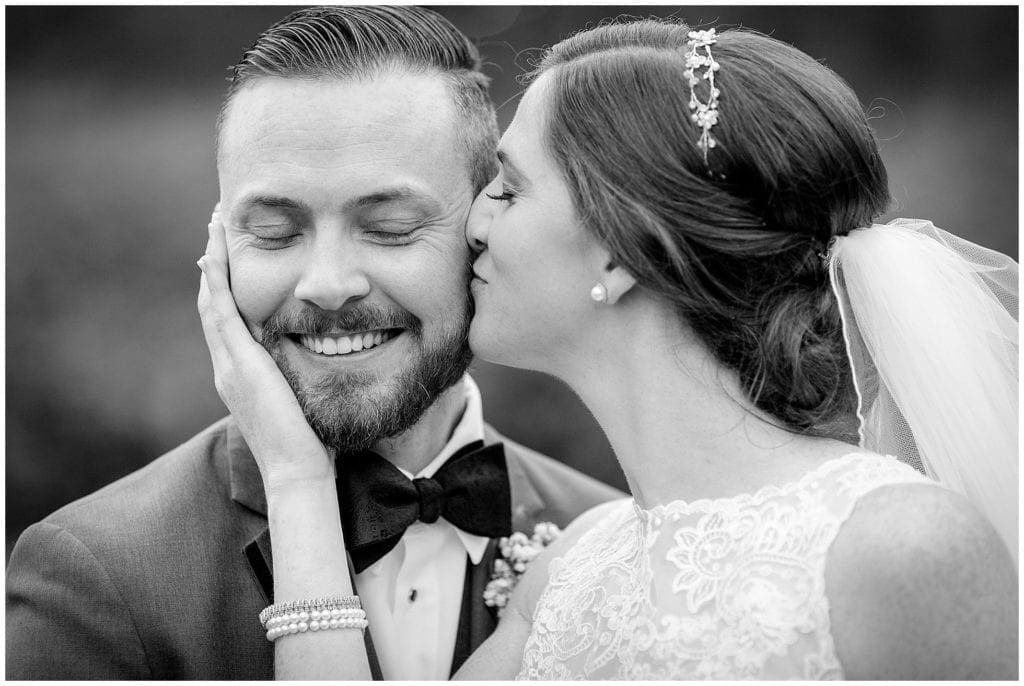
{"type": "Point", "coordinates": [350, 411]}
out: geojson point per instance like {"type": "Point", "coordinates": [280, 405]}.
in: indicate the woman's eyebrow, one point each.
{"type": "Point", "coordinates": [506, 161]}
{"type": "Point", "coordinates": [509, 165]}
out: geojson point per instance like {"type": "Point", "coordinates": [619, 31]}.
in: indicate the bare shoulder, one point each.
{"type": "Point", "coordinates": [589, 519]}
{"type": "Point", "coordinates": [921, 587]}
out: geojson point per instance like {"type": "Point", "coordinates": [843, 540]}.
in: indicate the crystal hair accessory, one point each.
{"type": "Point", "coordinates": [705, 114]}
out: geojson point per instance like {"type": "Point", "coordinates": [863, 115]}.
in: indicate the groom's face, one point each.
{"type": "Point", "coordinates": [344, 204]}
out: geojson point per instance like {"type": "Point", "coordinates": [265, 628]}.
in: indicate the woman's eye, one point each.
{"type": "Point", "coordinates": [506, 195]}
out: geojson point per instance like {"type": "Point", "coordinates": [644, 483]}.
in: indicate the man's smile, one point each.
{"type": "Point", "coordinates": [358, 345]}
{"type": "Point", "coordinates": [347, 344]}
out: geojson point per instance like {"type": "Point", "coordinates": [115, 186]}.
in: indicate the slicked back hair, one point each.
{"type": "Point", "coordinates": [347, 42]}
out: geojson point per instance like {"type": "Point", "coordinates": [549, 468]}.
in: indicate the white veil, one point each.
{"type": "Point", "coordinates": [931, 328]}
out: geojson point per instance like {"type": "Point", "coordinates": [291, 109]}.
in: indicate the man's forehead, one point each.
{"type": "Point", "coordinates": [328, 143]}
{"type": "Point", "coordinates": [406, 109]}
{"type": "Point", "coordinates": [399, 123]}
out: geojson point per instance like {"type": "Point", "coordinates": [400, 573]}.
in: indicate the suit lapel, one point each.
{"type": "Point", "coordinates": [371, 656]}
{"type": "Point", "coordinates": [257, 554]}
{"type": "Point", "coordinates": [243, 473]}
{"type": "Point", "coordinates": [477, 621]}
{"type": "Point", "coordinates": [246, 486]}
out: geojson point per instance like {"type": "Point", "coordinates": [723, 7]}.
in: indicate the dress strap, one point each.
{"type": "Point", "coordinates": [854, 476]}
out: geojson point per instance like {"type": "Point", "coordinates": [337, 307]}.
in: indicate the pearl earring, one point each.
{"type": "Point", "coordinates": [599, 293]}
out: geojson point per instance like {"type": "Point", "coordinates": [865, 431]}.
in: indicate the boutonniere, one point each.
{"type": "Point", "coordinates": [516, 552]}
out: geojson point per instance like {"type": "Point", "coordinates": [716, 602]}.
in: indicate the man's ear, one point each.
{"type": "Point", "coordinates": [617, 281]}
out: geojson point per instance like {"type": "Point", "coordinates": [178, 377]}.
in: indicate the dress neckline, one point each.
{"type": "Point", "coordinates": [672, 510]}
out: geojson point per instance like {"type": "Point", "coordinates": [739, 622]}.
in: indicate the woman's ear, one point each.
{"type": "Point", "coordinates": [617, 282]}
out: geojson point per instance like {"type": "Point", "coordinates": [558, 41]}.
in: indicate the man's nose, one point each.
{"type": "Point", "coordinates": [333, 276]}
{"type": "Point", "coordinates": [478, 223]}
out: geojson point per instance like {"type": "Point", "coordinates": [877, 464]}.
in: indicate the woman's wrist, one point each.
{"type": "Point", "coordinates": [309, 543]}
{"type": "Point", "coordinates": [297, 473]}
{"type": "Point", "coordinates": [282, 485]}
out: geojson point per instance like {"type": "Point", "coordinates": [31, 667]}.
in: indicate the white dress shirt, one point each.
{"type": "Point", "coordinates": [413, 595]}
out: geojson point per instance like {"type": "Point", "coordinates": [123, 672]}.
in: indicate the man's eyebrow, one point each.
{"type": "Point", "coordinates": [261, 200]}
{"type": "Point", "coordinates": [386, 195]}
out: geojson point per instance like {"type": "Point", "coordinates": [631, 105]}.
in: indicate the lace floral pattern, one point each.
{"type": "Point", "coordinates": [715, 589]}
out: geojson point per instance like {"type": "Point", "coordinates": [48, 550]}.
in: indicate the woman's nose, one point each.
{"type": "Point", "coordinates": [478, 223]}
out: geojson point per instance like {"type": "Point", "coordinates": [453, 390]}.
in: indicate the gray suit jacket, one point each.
{"type": "Point", "coordinates": [161, 575]}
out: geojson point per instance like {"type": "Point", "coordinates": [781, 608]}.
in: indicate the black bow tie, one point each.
{"type": "Point", "coordinates": [378, 502]}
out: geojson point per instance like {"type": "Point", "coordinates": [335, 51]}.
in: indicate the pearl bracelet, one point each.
{"type": "Point", "coordinates": [301, 622]}
{"type": "Point", "coordinates": [315, 604]}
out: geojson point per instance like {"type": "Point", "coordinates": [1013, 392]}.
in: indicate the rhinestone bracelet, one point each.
{"type": "Point", "coordinates": [308, 606]}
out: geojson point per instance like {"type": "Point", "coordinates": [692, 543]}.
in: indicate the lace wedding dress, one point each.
{"type": "Point", "coordinates": [732, 588]}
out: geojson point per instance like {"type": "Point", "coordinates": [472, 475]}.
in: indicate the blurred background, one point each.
{"type": "Point", "coordinates": [111, 179]}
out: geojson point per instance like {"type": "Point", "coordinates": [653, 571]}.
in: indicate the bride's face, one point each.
{"type": "Point", "coordinates": [537, 261]}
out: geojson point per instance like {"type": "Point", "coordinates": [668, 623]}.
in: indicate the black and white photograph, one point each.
{"type": "Point", "coordinates": [512, 342]}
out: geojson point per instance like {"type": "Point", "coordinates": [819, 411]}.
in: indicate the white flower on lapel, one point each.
{"type": "Point", "coordinates": [516, 553]}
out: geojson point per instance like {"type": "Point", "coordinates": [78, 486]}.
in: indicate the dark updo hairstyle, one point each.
{"type": "Point", "coordinates": [733, 243]}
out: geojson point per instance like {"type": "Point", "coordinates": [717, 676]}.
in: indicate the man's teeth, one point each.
{"type": "Point", "coordinates": [345, 344]}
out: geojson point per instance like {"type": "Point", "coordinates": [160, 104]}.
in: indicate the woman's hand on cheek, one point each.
{"type": "Point", "coordinates": [250, 383]}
